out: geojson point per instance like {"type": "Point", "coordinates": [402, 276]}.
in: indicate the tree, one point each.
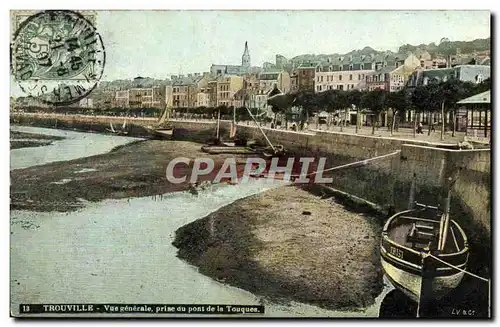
{"type": "Point", "coordinates": [339, 102]}
{"type": "Point", "coordinates": [376, 101]}
{"type": "Point", "coordinates": [435, 97]}
{"type": "Point", "coordinates": [483, 86]}
{"type": "Point", "coordinates": [397, 101]}
{"type": "Point", "coordinates": [421, 101]}
{"type": "Point", "coordinates": [281, 103]}
{"type": "Point", "coordinates": [327, 100]}
{"type": "Point", "coordinates": [308, 101]}
{"type": "Point", "coordinates": [354, 99]}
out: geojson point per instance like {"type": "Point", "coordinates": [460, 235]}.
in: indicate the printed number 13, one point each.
{"type": "Point", "coordinates": [26, 308]}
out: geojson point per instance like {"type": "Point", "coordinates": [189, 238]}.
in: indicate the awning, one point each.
{"type": "Point", "coordinates": [484, 97]}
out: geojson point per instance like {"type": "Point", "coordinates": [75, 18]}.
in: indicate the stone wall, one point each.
{"type": "Point", "coordinates": [389, 180]}
{"type": "Point", "coordinates": [383, 182]}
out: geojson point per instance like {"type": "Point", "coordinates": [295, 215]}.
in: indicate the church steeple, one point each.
{"type": "Point", "coordinates": [245, 59]}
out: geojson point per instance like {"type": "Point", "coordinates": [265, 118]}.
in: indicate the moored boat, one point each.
{"type": "Point", "coordinates": [423, 245]}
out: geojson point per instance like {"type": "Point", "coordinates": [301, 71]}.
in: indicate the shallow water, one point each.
{"type": "Point", "coordinates": [120, 251]}
{"type": "Point", "coordinates": [74, 146]}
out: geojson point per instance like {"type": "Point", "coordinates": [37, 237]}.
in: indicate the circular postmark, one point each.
{"type": "Point", "coordinates": [57, 56]}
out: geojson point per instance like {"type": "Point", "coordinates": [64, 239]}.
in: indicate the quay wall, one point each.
{"type": "Point", "coordinates": [383, 182]}
{"type": "Point", "coordinates": [388, 180]}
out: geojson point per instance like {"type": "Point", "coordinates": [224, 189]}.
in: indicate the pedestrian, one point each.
{"type": "Point", "coordinates": [419, 128]}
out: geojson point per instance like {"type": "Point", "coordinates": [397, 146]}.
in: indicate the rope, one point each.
{"type": "Point", "coordinates": [452, 266]}
{"type": "Point", "coordinates": [362, 162]}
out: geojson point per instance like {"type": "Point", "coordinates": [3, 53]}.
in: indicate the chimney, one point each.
{"type": "Point", "coordinates": [196, 74]}
{"type": "Point", "coordinates": [190, 75]}
{"type": "Point", "coordinates": [173, 77]}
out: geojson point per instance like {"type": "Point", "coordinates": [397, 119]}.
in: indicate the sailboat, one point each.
{"type": "Point", "coordinates": [124, 130]}
{"type": "Point", "coordinates": [424, 253]}
{"type": "Point", "coordinates": [161, 131]}
{"type": "Point", "coordinates": [111, 128]}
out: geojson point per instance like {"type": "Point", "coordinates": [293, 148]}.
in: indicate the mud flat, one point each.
{"type": "Point", "coordinates": [288, 244]}
{"type": "Point", "coordinates": [133, 170]}
{"type": "Point", "coordinates": [20, 140]}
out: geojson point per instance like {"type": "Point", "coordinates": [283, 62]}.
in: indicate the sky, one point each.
{"type": "Point", "coordinates": [158, 44]}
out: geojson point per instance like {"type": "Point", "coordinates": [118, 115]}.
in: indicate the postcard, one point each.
{"type": "Point", "coordinates": [250, 164]}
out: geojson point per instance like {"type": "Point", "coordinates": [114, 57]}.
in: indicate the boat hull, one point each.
{"type": "Point", "coordinates": [402, 261]}
{"type": "Point", "coordinates": [410, 283]}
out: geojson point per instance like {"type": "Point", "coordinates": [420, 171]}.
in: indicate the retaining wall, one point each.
{"type": "Point", "coordinates": [382, 182]}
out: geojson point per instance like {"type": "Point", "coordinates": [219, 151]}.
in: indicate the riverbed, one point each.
{"type": "Point", "coordinates": [73, 145]}
{"type": "Point", "coordinates": [120, 251]}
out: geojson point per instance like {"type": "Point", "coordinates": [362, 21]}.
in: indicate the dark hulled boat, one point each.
{"type": "Point", "coordinates": [411, 242]}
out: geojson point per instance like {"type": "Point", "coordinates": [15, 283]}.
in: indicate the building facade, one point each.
{"type": "Point", "coordinates": [244, 68]}
{"type": "Point", "coordinates": [122, 99]}
{"type": "Point", "coordinates": [227, 86]}
{"type": "Point", "coordinates": [306, 74]}
{"type": "Point", "coordinates": [203, 98]}
{"type": "Point", "coordinates": [339, 80]}
{"type": "Point", "coordinates": [269, 80]}
{"type": "Point", "coordinates": [185, 89]}
{"type": "Point", "coordinates": [464, 73]}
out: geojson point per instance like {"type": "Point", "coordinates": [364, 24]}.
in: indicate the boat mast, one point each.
{"type": "Point", "coordinates": [445, 220]}
{"type": "Point", "coordinates": [218, 123]}
{"type": "Point", "coordinates": [260, 128]}
{"type": "Point", "coordinates": [411, 200]}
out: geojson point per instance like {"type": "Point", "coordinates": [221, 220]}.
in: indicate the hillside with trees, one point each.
{"type": "Point", "coordinates": [445, 47]}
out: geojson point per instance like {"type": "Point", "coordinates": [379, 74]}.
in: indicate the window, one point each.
{"type": "Point", "coordinates": [359, 77]}
{"type": "Point", "coordinates": [322, 78]}
{"type": "Point", "coordinates": [350, 77]}
{"type": "Point", "coordinates": [340, 77]}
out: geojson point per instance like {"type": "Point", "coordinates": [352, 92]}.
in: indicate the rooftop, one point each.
{"type": "Point", "coordinates": [484, 97]}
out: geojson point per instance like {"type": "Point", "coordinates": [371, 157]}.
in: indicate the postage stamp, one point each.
{"type": "Point", "coordinates": [57, 56]}
{"type": "Point", "coordinates": [181, 164]}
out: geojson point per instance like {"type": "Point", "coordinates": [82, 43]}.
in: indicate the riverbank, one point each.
{"type": "Point", "coordinates": [135, 169]}
{"type": "Point", "coordinates": [20, 140]}
{"type": "Point", "coordinates": [311, 250]}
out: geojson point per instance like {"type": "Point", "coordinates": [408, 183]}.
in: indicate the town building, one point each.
{"type": "Point", "coordinates": [465, 73]}
{"type": "Point", "coordinates": [365, 72]}
{"type": "Point", "coordinates": [306, 74]}
{"type": "Point", "coordinates": [251, 83]}
{"type": "Point", "coordinates": [122, 99]}
{"type": "Point", "coordinates": [244, 68]}
{"type": "Point", "coordinates": [270, 79]}
{"type": "Point", "coordinates": [327, 79]}
{"type": "Point", "coordinates": [227, 86]}
{"type": "Point", "coordinates": [143, 97]}
{"type": "Point", "coordinates": [185, 89]}
{"type": "Point", "coordinates": [240, 98]}
{"type": "Point", "coordinates": [212, 93]}
{"type": "Point", "coordinates": [294, 82]}
{"type": "Point", "coordinates": [203, 97]}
